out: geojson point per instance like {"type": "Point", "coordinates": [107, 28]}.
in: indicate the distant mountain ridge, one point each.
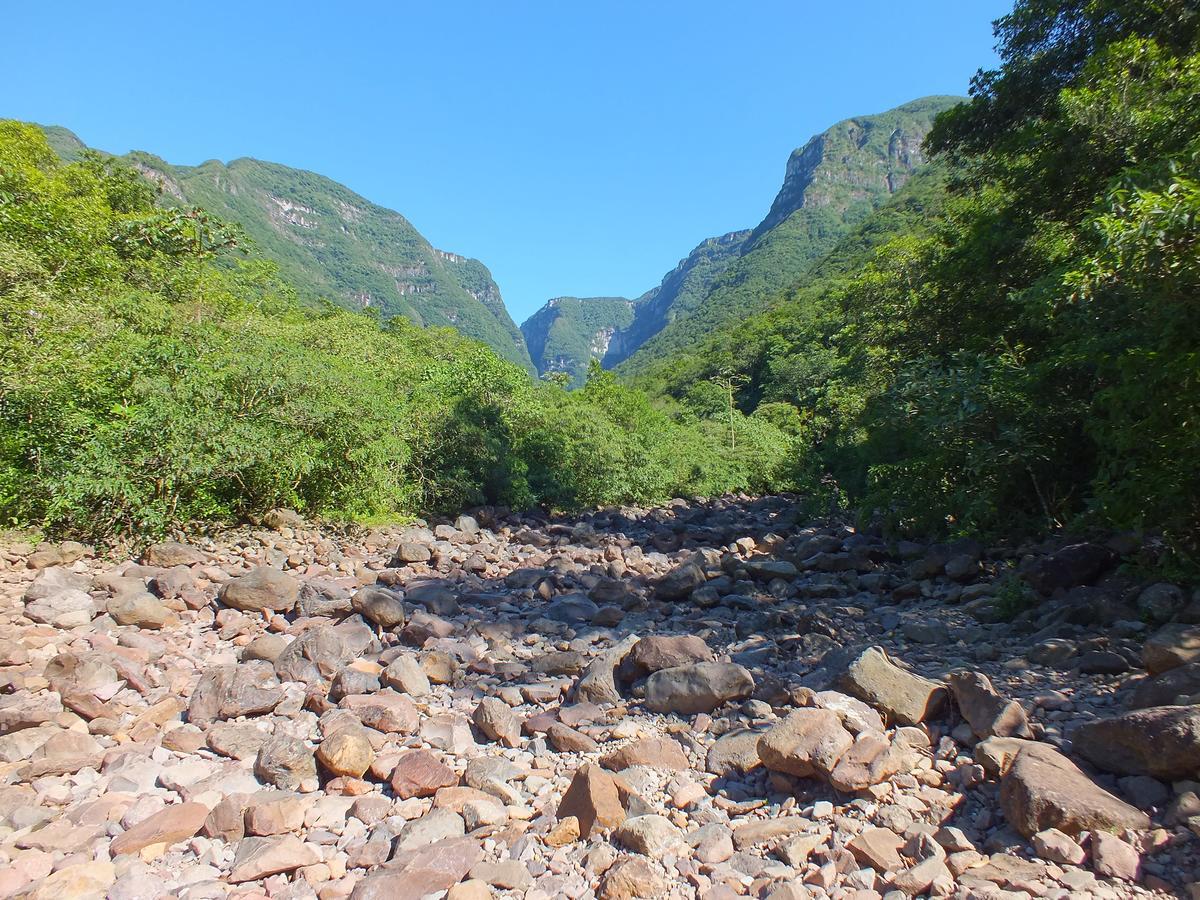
{"type": "Point", "coordinates": [833, 182]}
{"type": "Point", "coordinates": [332, 243]}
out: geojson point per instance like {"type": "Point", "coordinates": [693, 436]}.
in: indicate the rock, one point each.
{"type": "Point", "coordinates": [1113, 858]}
{"type": "Point", "coordinates": [697, 688]}
{"type": "Point", "coordinates": [922, 878]}
{"type": "Point", "coordinates": [1179, 686]}
{"type": "Point", "coordinates": [653, 752]}
{"type": "Point", "coordinates": [1043, 789]}
{"type": "Point", "coordinates": [988, 714]}
{"type": "Point", "coordinates": [904, 697]}
{"type": "Point", "coordinates": [263, 589]}
{"type": "Point", "coordinates": [418, 773]}
{"type": "Point", "coordinates": [286, 762]}
{"type": "Point", "coordinates": [141, 610]}
{"type": "Point", "coordinates": [1071, 566]}
{"type": "Point", "coordinates": [82, 881]}
{"type": "Point", "coordinates": [227, 692]}
{"type": "Point", "coordinates": [633, 879]}
{"type": "Point", "coordinates": [652, 835]}
{"type": "Point", "coordinates": [379, 605]}
{"type": "Point", "coordinates": [598, 682]}
{"type": "Point", "coordinates": [413, 874]}
{"type": "Point", "coordinates": [168, 554]}
{"type": "Point", "coordinates": [495, 719]}
{"type": "Point", "coordinates": [411, 552]}
{"type": "Point", "coordinates": [1161, 602]}
{"type": "Point", "coordinates": [565, 832]}
{"type": "Point", "coordinates": [405, 675]}
{"type": "Point", "coordinates": [1162, 741]}
{"type": "Point", "coordinates": [807, 742]}
{"type": "Point", "coordinates": [593, 799]}
{"type": "Point", "coordinates": [565, 739]}
{"type": "Point", "coordinates": [68, 608]}
{"type": "Point", "coordinates": [651, 654]}
{"type": "Point", "coordinates": [321, 652]}
{"type": "Point", "coordinates": [1173, 645]}
{"type": "Point", "coordinates": [508, 875]}
{"type": "Point", "coordinates": [346, 752]}
{"type": "Point", "coordinates": [436, 825]}
{"type": "Point", "coordinates": [681, 581]}
{"type": "Point", "coordinates": [878, 848]}
{"type": "Point", "coordinates": [258, 857]}
{"type": "Point", "coordinates": [384, 711]}
{"type": "Point", "coordinates": [168, 826]}
{"type": "Point", "coordinates": [734, 752]}
{"type": "Point", "coordinates": [1057, 847]}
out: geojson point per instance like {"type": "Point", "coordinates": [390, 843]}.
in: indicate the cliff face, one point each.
{"type": "Point", "coordinates": [332, 244]}
{"type": "Point", "coordinates": [567, 333]}
{"type": "Point", "coordinates": [831, 183]}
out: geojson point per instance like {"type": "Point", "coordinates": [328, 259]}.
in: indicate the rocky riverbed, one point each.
{"type": "Point", "coordinates": [710, 700]}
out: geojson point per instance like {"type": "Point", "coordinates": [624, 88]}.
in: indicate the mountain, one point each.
{"type": "Point", "coordinates": [333, 244]}
{"type": "Point", "coordinates": [568, 332]}
{"type": "Point", "coordinates": [832, 183]}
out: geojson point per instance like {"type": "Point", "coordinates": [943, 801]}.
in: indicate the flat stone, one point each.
{"type": "Point", "coordinates": [168, 826]}
{"type": "Point", "coordinates": [258, 857]}
{"type": "Point", "coordinates": [654, 752]}
{"type": "Point", "coordinates": [878, 848]}
{"type": "Point", "coordinates": [414, 874]}
{"type": "Point", "coordinates": [418, 773]}
{"type": "Point", "coordinates": [904, 697]}
{"type": "Point", "coordinates": [1162, 741]}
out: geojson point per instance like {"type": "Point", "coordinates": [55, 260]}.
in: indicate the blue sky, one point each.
{"type": "Point", "coordinates": [575, 147]}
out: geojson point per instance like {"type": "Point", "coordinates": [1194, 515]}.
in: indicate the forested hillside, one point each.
{"type": "Point", "coordinates": [1011, 344]}
{"type": "Point", "coordinates": [331, 244]}
{"type": "Point", "coordinates": [151, 374]}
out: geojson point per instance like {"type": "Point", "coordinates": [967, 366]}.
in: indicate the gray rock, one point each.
{"type": "Point", "coordinates": [697, 688]}
{"type": "Point", "coordinates": [263, 589]}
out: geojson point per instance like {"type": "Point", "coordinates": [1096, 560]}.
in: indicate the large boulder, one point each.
{"type": "Point", "coordinates": [230, 691]}
{"type": "Point", "coordinates": [67, 608]}
{"type": "Point", "coordinates": [988, 714]}
{"type": "Point", "coordinates": [657, 652]}
{"type": "Point", "coordinates": [1179, 686]}
{"type": "Point", "coordinates": [379, 605]}
{"type": "Point", "coordinates": [807, 742]}
{"type": "Point", "coordinates": [1043, 789]}
{"type": "Point", "coordinates": [904, 697]}
{"type": "Point", "coordinates": [598, 683]}
{"type": "Point", "coordinates": [697, 688]}
{"type": "Point", "coordinates": [321, 652]}
{"type": "Point", "coordinates": [262, 589]}
{"type": "Point", "coordinates": [1173, 645]}
{"type": "Point", "coordinates": [680, 582]}
{"type": "Point", "coordinates": [1069, 567]}
{"type": "Point", "coordinates": [1162, 741]}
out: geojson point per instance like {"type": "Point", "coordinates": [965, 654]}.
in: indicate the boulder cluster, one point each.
{"type": "Point", "coordinates": [706, 700]}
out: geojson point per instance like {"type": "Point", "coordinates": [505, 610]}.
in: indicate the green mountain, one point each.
{"type": "Point", "coordinates": [832, 183]}
{"type": "Point", "coordinates": [331, 243]}
{"type": "Point", "coordinates": [568, 332]}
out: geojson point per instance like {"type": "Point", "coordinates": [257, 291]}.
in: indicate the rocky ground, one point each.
{"type": "Point", "coordinates": [704, 700]}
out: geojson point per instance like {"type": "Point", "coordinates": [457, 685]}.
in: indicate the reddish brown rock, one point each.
{"type": "Point", "coordinates": [657, 753]}
{"type": "Point", "coordinates": [418, 773]}
{"type": "Point", "coordinates": [593, 799]}
{"type": "Point", "coordinates": [168, 826]}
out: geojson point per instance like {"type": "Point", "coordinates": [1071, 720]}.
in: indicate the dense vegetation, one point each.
{"type": "Point", "coordinates": [331, 244]}
{"type": "Point", "coordinates": [1013, 343]}
{"type": "Point", "coordinates": [151, 374]}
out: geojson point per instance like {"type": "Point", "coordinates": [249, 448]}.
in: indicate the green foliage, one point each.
{"type": "Point", "coordinates": [1012, 343]}
{"type": "Point", "coordinates": [331, 244]}
{"type": "Point", "coordinates": [150, 376]}
{"type": "Point", "coordinates": [1013, 597]}
{"type": "Point", "coordinates": [567, 333]}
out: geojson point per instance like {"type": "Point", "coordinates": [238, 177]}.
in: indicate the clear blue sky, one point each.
{"type": "Point", "coordinates": [575, 147]}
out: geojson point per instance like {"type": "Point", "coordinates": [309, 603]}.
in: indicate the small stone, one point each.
{"type": "Point", "coordinates": [1113, 858]}
{"type": "Point", "coordinates": [346, 752]}
{"type": "Point", "coordinates": [418, 773]}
